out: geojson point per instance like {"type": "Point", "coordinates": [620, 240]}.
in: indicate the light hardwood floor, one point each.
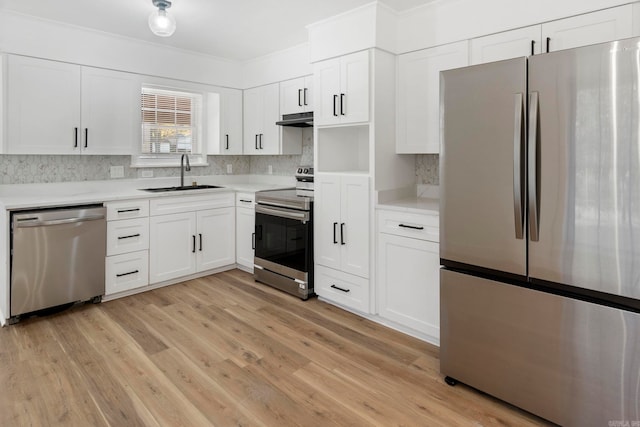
{"type": "Point", "coordinates": [226, 351]}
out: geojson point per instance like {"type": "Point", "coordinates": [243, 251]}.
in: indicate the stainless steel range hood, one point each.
{"type": "Point", "coordinates": [300, 120]}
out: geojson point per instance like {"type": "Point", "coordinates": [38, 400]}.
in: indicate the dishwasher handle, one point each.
{"type": "Point", "coordinates": [37, 222]}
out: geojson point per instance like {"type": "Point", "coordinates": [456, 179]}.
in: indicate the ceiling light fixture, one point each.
{"type": "Point", "coordinates": [160, 22]}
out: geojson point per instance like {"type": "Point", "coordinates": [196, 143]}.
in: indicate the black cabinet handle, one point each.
{"type": "Point", "coordinates": [335, 98]}
{"type": "Point", "coordinates": [86, 137]}
{"type": "Point", "coordinates": [548, 43]}
{"type": "Point", "coordinates": [193, 247]}
{"type": "Point", "coordinates": [299, 97]}
{"type": "Point", "coordinates": [533, 47]}
{"type": "Point", "coordinates": [131, 236]}
{"type": "Point", "coordinates": [128, 210]}
{"type": "Point", "coordinates": [413, 227]}
{"type": "Point", "coordinates": [340, 289]}
{"type": "Point", "coordinates": [342, 242]}
{"type": "Point", "coordinates": [335, 239]}
{"type": "Point", "coordinates": [305, 96]}
{"type": "Point", "coordinates": [262, 148]}
{"type": "Point", "coordinates": [253, 241]}
{"type": "Point", "coordinates": [342, 104]}
{"type": "Point", "coordinates": [256, 141]}
{"type": "Point", "coordinates": [200, 235]}
{"type": "Point", "coordinates": [75, 138]}
{"type": "Point", "coordinates": [128, 274]}
{"type": "Point", "coordinates": [227, 137]}
{"type": "Point", "coordinates": [245, 201]}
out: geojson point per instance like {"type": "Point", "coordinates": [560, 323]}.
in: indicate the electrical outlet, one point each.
{"type": "Point", "coordinates": [117, 171]}
{"type": "Point", "coordinates": [229, 168]}
{"type": "Point", "coordinates": [270, 170]}
{"type": "Point", "coordinates": [147, 174]}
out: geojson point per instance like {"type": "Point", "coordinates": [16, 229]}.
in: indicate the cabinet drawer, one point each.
{"type": "Point", "coordinates": [342, 288]}
{"type": "Point", "coordinates": [417, 226]}
{"type": "Point", "coordinates": [245, 199]}
{"type": "Point", "coordinates": [128, 235]}
{"type": "Point", "coordinates": [172, 205]}
{"type": "Point", "coordinates": [127, 209]}
{"type": "Point", "coordinates": [126, 272]}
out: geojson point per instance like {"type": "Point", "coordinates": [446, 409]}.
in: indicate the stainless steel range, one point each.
{"type": "Point", "coordinates": [284, 237]}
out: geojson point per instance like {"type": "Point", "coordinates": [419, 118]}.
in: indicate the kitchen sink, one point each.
{"type": "Point", "coordinates": [180, 188]}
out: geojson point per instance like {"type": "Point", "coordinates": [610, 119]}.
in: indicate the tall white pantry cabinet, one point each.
{"type": "Point", "coordinates": [354, 156]}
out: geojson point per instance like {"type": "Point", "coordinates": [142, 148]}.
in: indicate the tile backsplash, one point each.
{"type": "Point", "coordinates": [428, 169]}
{"type": "Point", "coordinates": [26, 169]}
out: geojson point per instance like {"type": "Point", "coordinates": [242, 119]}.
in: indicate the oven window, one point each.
{"type": "Point", "coordinates": [283, 241]}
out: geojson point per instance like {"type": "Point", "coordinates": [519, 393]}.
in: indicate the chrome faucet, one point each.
{"type": "Point", "coordinates": [183, 168]}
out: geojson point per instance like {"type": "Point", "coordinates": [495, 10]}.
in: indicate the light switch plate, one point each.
{"type": "Point", "coordinates": [229, 168]}
{"type": "Point", "coordinates": [270, 170]}
{"type": "Point", "coordinates": [117, 171]}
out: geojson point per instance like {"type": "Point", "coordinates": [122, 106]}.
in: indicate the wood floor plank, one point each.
{"type": "Point", "coordinates": [224, 350]}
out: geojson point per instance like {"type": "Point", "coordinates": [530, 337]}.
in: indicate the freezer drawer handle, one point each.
{"type": "Point", "coordinates": [131, 236]}
{"type": "Point", "coordinates": [533, 168]}
{"type": "Point", "coordinates": [340, 289]}
{"type": "Point", "coordinates": [518, 137]}
{"type": "Point", "coordinates": [413, 227]}
{"type": "Point", "coordinates": [128, 274]}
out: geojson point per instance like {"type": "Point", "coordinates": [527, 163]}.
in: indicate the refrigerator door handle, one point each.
{"type": "Point", "coordinates": [533, 167]}
{"type": "Point", "coordinates": [518, 137]}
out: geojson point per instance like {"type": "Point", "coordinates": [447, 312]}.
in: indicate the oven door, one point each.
{"type": "Point", "coordinates": [283, 241]}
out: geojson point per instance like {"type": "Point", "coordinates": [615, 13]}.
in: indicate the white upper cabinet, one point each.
{"type": "Point", "coordinates": [506, 45]}
{"type": "Point", "coordinates": [261, 112]}
{"type": "Point", "coordinates": [591, 28]}
{"type": "Point", "coordinates": [418, 104]}
{"type": "Point", "coordinates": [296, 96]}
{"type": "Point", "coordinates": [224, 122]}
{"type": "Point", "coordinates": [341, 90]}
{"type": "Point", "coordinates": [43, 107]}
{"type": "Point", "coordinates": [60, 108]}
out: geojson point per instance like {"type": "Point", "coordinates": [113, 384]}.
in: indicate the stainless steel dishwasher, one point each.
{"type": "Point", "coordinates": [57, 257]}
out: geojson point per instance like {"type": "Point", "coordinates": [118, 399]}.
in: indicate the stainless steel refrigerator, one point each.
{"type": "Point", "coordinates": [540, 232]}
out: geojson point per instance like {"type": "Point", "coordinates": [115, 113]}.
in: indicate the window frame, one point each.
{"type": "Point", "coordinates": [198, 157]}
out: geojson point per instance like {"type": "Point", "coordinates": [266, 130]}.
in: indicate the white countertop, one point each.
{"type": "Point", "coordinates": [421, 205]}
{"type": "Point", "coordinates": [21, 196]}
{"type": "Point", "coordinates": [423, 199]}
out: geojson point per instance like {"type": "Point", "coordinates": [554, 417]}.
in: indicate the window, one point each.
{"type": "Point", "coordinates": [171, 126]}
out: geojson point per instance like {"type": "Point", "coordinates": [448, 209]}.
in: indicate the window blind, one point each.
{"type": "Point", "coordinates": [169, 122]}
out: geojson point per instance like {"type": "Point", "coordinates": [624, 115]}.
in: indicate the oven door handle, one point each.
{"type": "Point", "coordinates": [283, 213]}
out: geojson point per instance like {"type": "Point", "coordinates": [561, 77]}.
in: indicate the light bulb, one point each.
{"type": "Point", "coordinates": [161, 23]}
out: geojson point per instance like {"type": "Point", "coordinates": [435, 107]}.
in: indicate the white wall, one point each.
{"type": "Point", "coordinates": [26, 35]}
{"type": "Point", "coordinates": [444, 22]}
{"type": "Point", "coordinates": [283, 65]}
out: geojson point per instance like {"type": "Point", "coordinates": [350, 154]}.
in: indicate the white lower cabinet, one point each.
{"type": "Point", "coordinates": [126, 272]}
{"type": "Point", "coordinates": [127, 262]}
{"type": "Point", "coordinates": [408, 271]}
{"type": "Point", "coordinates": [342, 288]}
{"type": "Point", "coordinates": [245, 230]}
{"type": "Point", "coordinates": [191, 238]}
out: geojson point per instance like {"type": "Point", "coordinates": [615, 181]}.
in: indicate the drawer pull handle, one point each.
{"type": "Point", "coordinates": [246, 201]}
{"type": "Point", "coordinates": [127, 274]}
{"type": "Point", "coordinates": [340, 289]}
{"type": "Point", "coordinates": [131, 236]}
{"type": "Point", "coordinates": [413, 227]}
{"type": "Point", "coordinates": [128, 210]}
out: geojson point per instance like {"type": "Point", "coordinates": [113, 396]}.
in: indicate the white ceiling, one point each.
{"type": "Point", "coordinates": [233, 29]}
